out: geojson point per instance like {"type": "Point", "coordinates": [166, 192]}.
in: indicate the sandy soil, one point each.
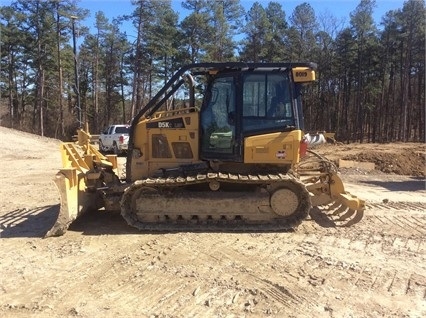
{"type": "Point", "coordinates": [370, 266]}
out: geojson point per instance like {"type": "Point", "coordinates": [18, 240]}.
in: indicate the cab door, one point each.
{"type": "Point", "coordinates": [219, 120]}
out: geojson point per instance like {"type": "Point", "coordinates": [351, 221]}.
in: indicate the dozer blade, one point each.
{"type": "Point", "coordinates": [73, 180]}
{"type": "Point", "coordinates": [75, 200]}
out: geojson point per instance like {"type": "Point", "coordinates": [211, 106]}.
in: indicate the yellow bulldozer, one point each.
{"type": "Point", "coordinates": [231, 156]}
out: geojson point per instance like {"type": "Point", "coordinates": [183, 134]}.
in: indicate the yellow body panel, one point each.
{"type": "Point", "coordinates": [279, 148]}
{"type": "Point", "coordinates": [161, 142]}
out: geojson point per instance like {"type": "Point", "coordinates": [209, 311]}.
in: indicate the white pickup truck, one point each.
{"type": "Point", "coordinates": [115, 138]}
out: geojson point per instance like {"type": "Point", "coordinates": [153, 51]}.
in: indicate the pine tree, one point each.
{"type": "Point", "coordinates": [301, 34]}
{"type": "Point", "coordinates": [254, 46]}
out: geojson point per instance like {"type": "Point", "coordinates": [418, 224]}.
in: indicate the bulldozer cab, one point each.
{"type": "Point", "coordinates": [245, 103]}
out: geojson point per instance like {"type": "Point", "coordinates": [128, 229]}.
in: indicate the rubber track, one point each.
{"type": "Point", "coordinates": [273, 180]}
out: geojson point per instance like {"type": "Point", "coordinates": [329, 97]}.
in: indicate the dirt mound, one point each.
{"type": "Point", "coordinates": [408, 162]}
{"type": "Point", "coordinates": [396, 158]}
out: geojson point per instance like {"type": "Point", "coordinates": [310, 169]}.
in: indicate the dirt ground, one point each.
{"type": "Point", "coordinates": [371, 266]}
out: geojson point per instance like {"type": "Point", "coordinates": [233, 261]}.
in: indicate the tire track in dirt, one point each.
{"type": "Point", "coordinates": [173, 272]}
{"type": "Point", "coordinates": [80, 265]}
{"type": "Point", "coordinates": [392, 224]}
{"type": "Point", "coordinates": [258, 273]}
{"type": "Point", "coordinates": [139, 277]}
{"type": "Point", "coordinates": [272, 293]}
{"type": "Point", "coordinates": [373, 279]}
{"type": "Point", "coordinates": [375, 275]}
{"type": "Point", "coordinates": [388, 236]}
{"type": "Point", "coordinates": [23, 288]}
{"type": "Point", "coordinates": [217, 289]}
{"type": "Point", "coordinates": [134, 278]}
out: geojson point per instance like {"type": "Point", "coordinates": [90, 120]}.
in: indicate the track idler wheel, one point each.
{"type": "Point", "coordinates": [284, 202]}
{"type": "Point", "coordinates": [290, 200]}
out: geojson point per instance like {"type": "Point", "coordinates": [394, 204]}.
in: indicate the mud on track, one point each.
{"type": "Point", "coordinates": [329, 267]}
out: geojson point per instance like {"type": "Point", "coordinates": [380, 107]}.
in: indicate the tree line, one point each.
{"type": "Point", "coordinates": [371, 76]}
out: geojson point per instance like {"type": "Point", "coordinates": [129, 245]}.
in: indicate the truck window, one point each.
{"type": "Point", "coordinates": [121, 130]}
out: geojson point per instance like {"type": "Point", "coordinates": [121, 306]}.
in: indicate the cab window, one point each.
{"type": "Point", "coordinates": [267, 102]}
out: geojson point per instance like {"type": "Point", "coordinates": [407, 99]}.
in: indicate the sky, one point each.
{"type": "Point", "coordinates": [338, 8]}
